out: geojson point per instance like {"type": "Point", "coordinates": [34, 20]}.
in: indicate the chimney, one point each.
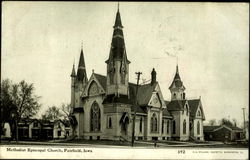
{"type": "Point", "coordinates": [153, 76]}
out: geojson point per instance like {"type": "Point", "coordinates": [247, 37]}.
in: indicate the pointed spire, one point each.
{"type": "Point", "coordinates": [177, 79]}
{"type": "Point", "coordinates": [118, 22]}
{"type": "Point", "coordinates": [73, 73]}
{"type": "Point", "coordinates": [118, 5]}
{"type": "Point", "coordinates": [177, 76]}
{"type": "Point", "coordinates": [81, 71]}
{"type": "Point", "coordinates": [117, 50]}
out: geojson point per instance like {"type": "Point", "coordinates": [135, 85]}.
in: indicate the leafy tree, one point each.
{"type": "Point", "coordinates": [6, 102]}
{"type": "Point", "coordinates": [19, 97]}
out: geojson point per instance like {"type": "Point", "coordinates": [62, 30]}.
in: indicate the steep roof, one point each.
{"type": "Point", "coordinates": [81, 71]}
{"type": "Point", "coordinates": [177, 80]}
{"type": "Point", "coordinates": [101, 79]}
{"type": "Point", "coordinates": [140, 109]}
{"type": "Point", "coordinates": [145, 93]}
{"type": "Point", "coordinates": [193, 106]}
{"type": "Point", "coordinates": [117, 50]}
{"type": "Point", "coordinates": [166, 112]}
{"type": "Point", "coordinates": [176, 105]}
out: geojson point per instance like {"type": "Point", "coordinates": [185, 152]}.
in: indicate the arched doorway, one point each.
{"type": "Point", "coordinates": [124, 124]}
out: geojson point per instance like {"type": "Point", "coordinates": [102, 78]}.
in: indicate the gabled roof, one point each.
{"type": "Point", "coordinates": [145, 93]}
{"type": "Point", "coordinates": [139, 109]}
{"type": "Point", "coordinates": [193, 106]}
{"type": "Point", "coordinates": [101, 79]}
{"type": "Point", "coordinates": [210, 128]}
{"type": "Point", "coordinates": [166, 112]}
{"type": "Point", "coordinates": [176, 105]}
{"type": "Point", "coordinates": [214, 128]}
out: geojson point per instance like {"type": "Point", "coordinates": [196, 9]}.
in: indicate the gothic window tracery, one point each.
{"type": "Point", "coordinates": [93, 89]}
{"type": "Point", "coordinates": [95, 117]}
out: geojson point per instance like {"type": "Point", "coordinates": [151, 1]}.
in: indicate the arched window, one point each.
{"type": "Point", "coordinates": [198, 127]}
{"type": "Point", "coordinates": [184, 126]}
{"type": "Point", "coordinates": [184, 96]}
{"type": "Point", "coordinates": [162, 128]}
{"type": "Point", "coordinates": [199, 113]}
{"type": "Point", "coordinates": [187, 110]}
{"type": "Point", "coordinates": [174, 127]}
{"type": "Point", "coordinates": [174, 95]}
{"type": "Point", "coordinates": [141, 124]}
{"type": "Point", "coordinates": [168, 127]}
{"type": "Point", "coordinates": [110, 122]}
{"type": "Point", "coordinates": [95, 118]}
{"type": "Point", "coordinates": [154, 123]}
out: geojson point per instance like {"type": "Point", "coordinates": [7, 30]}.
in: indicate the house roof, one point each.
{"type": "Point", "coordinates": [213, 128]}
{"type": "Point", "coordinates": [210, 128]}
{"type": "Point", "coordinates": [176, 105]}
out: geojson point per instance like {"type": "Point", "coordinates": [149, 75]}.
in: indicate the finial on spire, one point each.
{"type": "Point", "coordinates": [81, 45]}
{"type": "Point", "coordinates": [177, 60]}
{"type": "Point", "coordinates": [118, 6]}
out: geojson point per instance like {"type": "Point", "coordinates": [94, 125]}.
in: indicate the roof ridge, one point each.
{"type": "Point", "coordinates": [99, 74]}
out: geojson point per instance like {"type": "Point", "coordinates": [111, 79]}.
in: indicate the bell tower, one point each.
{"type": "Point", "coordinates": [117, 64]}
{"type": "Point", "coordinates": [177, 88]}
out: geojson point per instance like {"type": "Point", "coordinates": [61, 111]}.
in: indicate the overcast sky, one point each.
{"type": "Point", "coordinates": [40, 42]}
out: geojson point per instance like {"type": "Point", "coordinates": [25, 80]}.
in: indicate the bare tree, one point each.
{"type": "Point", "coordinates": [65, 109]}
{"type": "Point", "coordinates": [235, 122]}
{"type": "Point", "coordinates": [212, 122]}
{"type": "Point", "coordinates": [52, 113]}
{"type": "Point", "coordinates": [225, 121]}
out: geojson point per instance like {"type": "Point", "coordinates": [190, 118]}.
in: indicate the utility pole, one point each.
{"type": "Point", "coordinates": [135, 106]}
{"type": "Point", "coordinates": [244, 129]}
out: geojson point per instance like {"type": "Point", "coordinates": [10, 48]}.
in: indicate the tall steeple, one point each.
{"type": "Point", "coordinates": [117, 63]}
{"type": "Point", "coordinates": [81, 71]}
{"type": "Point", "coordinates": [177, 88]}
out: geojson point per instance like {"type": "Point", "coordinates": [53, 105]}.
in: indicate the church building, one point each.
{"type": "Point", "coordinates": [103, 106]}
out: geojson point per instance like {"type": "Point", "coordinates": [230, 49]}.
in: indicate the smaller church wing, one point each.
{"type": "Point", "coordinates": [145, 93]}
{"type": "Point", "coordinates": [194, 105]}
